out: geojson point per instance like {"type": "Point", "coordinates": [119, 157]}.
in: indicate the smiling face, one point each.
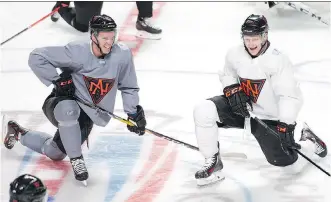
{"type": "Point", "coordinates": [253, 44]}
{"type": "Point", "coordinates": [105, 40]}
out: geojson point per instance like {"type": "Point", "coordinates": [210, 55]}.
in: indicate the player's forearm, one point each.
{"type": "Point", "coordinates": [290, 97]}
{"type": "Point", "coordinates": [129, 89]}
{"type": "Point", "coordinates": [227, 79]}
{"type": "Point", "coordinates": [289, 108]}
{"type": "Point", "coordinates": [43, 69]}
{"type": "Point", "coordinates": [44, 61]}
{"type": "Point", "coordinates": [130, 99]}
{"type": "Point", "coordinates": [128, 85]}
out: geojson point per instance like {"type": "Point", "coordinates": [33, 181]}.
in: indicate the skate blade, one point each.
{"type": "Point", "coordinates": [305, 132]}
{"type": "Point", "coordinates": [212, 179]}
{"type": "Point", "coordinates": [146, 35]}
{"type": "Point", "coordinates": [4, 127]}
{"type": "Point", "coordinates": [234, 155]}
{"type": "Point", "coordinates": [84, 183]}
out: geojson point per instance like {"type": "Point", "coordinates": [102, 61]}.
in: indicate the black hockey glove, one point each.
{"type": "Point", "coordinates": [64, 86]}
{"type": "Point", "coordinates": [237, 99]}
{"type": "Point", "coordinates": [139, 119]}
{"type": "Point", "coordinates": [62, 4]}
{"type": "Point", "coordinates": [286, 134]}
{"type": "Point", "coordinates": [66, 11]}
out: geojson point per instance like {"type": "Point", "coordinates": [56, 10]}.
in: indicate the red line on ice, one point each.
{"type": "Point", "coordinates": [45, 164]}
{"type": "Point", "coordinates": [156, 152]}
{"type": "Point", "coordinates": [154, 185]}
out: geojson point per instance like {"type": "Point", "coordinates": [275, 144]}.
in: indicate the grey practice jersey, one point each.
{"type": "Point", "coordinates": [96, 80]}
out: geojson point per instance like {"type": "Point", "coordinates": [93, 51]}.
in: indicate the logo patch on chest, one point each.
{"type": "Point", "coordinates": [252, 88]}
{"type": "Point", "coordinates": [98, 87]}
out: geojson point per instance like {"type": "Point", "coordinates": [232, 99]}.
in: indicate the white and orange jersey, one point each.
{"type": "Point", "coordinates": [269, 81]}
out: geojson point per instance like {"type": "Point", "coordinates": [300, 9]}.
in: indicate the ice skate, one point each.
{"type": "Point", "coordinates": [211, 171]}
{"type": "Point", "coordinates": [320, 146]}
{"type": "Point", "coordinates": [79, 168]}
{"type": "Point", "coordinates": [12, 130]}
{"type": "Point", "coordinates": [146, 29]}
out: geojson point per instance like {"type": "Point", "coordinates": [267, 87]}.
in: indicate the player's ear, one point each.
{"type": "Point", "coordinates": [265, 36]}
{"type": "Point", "coordinates": [94, 37]}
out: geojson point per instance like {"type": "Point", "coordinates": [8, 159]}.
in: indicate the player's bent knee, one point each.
{"type": "Point", "coordinates": [205, 113]}
{"type": "Point", "coordinates": [67, 112]}
{"type": "Point", "coordinates": [80, 27]}
{"type": "Point", "coordinates": [51, 150]}
{"type": "Point", "coordinates": [284, 160]}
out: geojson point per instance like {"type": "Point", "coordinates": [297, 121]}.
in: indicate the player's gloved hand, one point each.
{"type": "Point", "coordinates": [286, 134]}
{"type": "Point", "coordinates": [238, 100]}
{"type": "Point", "coordinates": [139, 119]}
{"type": "Point", "coordinates": [66, 12]}
{"type": "Point", "coordinates": [64, 86]}
{"type": "Point", "coordinates": [62, 4]}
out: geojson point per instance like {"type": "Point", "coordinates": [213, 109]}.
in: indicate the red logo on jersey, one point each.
{"type": "Point", "coordinates": [98, 87]}
{"type": "Point", "coordinates": [252, 88]}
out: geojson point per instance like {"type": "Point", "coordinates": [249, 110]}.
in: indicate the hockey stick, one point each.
{"type": "Point", "coordinates": [306, 10]}
{"type": "Point", "coordinates": [54, 11]}
{"type": "Point", "coordinates": [128, 122]}
{"type": "Point", "coordinates": [275, 134]}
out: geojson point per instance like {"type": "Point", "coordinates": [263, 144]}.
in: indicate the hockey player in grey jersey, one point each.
{"type": "Point", "coordinates": [93, 71]}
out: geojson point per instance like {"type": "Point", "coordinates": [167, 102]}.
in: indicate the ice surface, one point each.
{"type": "Point", "coordinates": [174, 74]}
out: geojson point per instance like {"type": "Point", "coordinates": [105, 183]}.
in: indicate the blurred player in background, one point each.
{"type": "Point", "coordinates": [144, 24]}
{"type": "Point", "coordinates": [79, 16]}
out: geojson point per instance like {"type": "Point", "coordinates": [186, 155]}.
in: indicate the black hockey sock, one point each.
{"type": "Point", "coordinates": [145, 9]}
{"type": "Point", "coordinates": [79, 27]}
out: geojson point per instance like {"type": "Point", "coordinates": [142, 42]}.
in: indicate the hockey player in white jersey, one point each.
{"type": "Point", "coordinates": [259, 77]}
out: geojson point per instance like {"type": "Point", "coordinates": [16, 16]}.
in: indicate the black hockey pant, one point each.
{"type": "Point", "coordinates": [270, 145]}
